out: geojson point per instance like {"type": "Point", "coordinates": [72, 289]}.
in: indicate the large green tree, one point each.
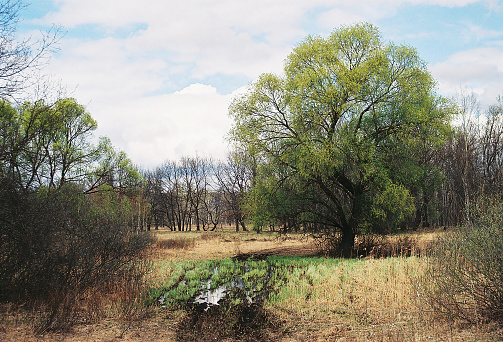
{"type": "Point", "coordinates": [51, 144]}
{"type": "Point", "coordinates": [345, 107]}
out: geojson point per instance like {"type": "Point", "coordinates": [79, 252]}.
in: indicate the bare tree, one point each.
{"type": "Point", "coordinates": [196, 172]}
{"type": "Point", "coordinates": [235, 180]}
{"type": "Point", "coordinates": [469, 110]}
{"type": "Point", "coordinates": [20, 59]}
{"type": "Point", "coordinates": [200, 192]}
{"type": "Point", "coordinates": [214, 208]}
{"type": "Point", "coordinates": [490, 150]}
{"type": "Point", "coordinates": [155, 196]}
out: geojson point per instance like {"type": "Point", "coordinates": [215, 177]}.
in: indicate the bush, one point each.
{"type": "Point", "coordinates": [372, 246]}
{"type": "Point", "coordinates": [59, 246]}
{"type": "Point", "coordinates": [464, 279]}
{"type": "Point", "coordinates": [380, 246]}
{"type": "Point", "coordinates": [176, 243]}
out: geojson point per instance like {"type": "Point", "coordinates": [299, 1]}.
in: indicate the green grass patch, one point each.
{"type": "Point", "coordinates": [343, 285]}
{"type": "Point", "coordinates": [184, 280]}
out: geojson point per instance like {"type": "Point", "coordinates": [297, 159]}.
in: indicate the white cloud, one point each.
{"type": "Point", "coordinates": [156, 128]}
{"type": "Point", "coordinates": [480, 70]}
{"type": "Point", "coordinates": [72, 13]}
{"type": "Point", "coordinates": [104, 69]}
{"type": "Point", "coordinates": [491, 4]}
{"type": "Point", "coordinates": [479, 33]}
{"type": "Point", "coordinates": [338, 16]}
{"type": "Point", "coordinates": [149, 88]}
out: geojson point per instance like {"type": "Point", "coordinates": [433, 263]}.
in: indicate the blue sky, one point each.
{"type": "Point", "coordinates": [158, 75]}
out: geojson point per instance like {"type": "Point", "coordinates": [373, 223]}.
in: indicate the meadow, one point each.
{"type": "Point", "coordinates": [308, 297]}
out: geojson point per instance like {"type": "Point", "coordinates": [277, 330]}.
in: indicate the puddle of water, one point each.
{"type": "Point", "coordinates": [241, 288]}
{"type": "Point", "coordinates": [162, 301]}
{"type": "Point", "coordinates": [210, 297]}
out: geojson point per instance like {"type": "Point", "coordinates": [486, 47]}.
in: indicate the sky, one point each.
{"type": "Point", "coordinates": [158, 75]}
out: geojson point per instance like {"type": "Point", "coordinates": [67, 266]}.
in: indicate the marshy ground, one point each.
{"type": "Point", "coordinates": [309, 297]}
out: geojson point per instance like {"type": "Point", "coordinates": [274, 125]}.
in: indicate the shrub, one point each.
{"type": "Point", "coordinates": [176, 243]}
{"type": "Point", "coordinates": [379, 246]}
{"type": "Point", "coordinates": [464, 279]}
{"type": "Point", "coordinates": [373, 246]}
{"type": "Point", "coordinates": [59, 246]}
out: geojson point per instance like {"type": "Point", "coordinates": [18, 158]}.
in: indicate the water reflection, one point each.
{"type": "Point", "coordinates": [209, 296]}
{"type": "Point", "coordinates": [247, 286]}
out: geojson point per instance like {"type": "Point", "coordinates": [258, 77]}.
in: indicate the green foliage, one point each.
{"type": "Point", "coordinates": [47, 144]}
{"type": "Point", "coordinates": [465, 275]}
{"type": "Point", "coordinates": [347, 117]}
{"type": "Point", "coordinates": [50, 145]}
{"type": "Point", "coordinates": [391, 206]}
{"type": "Point", "coordinates": [272, 204]}
{"type": "Point", "coordinates": [185, 280]}
{"type": "Point", "coordinates": [114, 169]}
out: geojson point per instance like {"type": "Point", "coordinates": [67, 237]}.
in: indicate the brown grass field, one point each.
{"type": "Point", "coordinates": [366, 299]}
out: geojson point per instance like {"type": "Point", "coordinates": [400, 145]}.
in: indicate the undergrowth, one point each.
{"type": "Point", "coordinates": [464, 278]}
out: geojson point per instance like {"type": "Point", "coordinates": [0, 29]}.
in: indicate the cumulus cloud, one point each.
{"type": "Point", "coordinates": [480, 70]}
{"type": "Point", "coordinates": [157, 128]}
{"type": "Point", "coordinates": [144, 70]}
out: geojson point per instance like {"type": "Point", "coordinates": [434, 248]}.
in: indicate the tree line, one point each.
{"type": "Point", "coordinates": [198, 193]}
{"type": "Point", "coordinates": [451, 172]}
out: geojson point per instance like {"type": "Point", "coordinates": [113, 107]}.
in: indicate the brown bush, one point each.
{"type": "Point", "coordinates": [374, 246]}
{"type": "Point", "coordinates": [59, 251]}
{"type": "Point", "coordinates": [176, 243]}
{"type": "Point", "coordinates": [378, 246]}
{"type": "Point", "coordinates": [464, 276]}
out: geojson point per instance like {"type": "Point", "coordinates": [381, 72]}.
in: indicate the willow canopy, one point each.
{"type": "Point", "coordinates": [335, 123]}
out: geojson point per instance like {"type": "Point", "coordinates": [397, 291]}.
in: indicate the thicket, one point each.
{"type": "Point", "coordinates": [464, 279]}
{"type": "Point", "coordinates": [69, 209]}
{"type": "Point", "coordinates": [59, 247]}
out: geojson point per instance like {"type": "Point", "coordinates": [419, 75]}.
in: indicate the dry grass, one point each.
{"type": "Point", "coordinates": [17, 325]}
{"type": "Point", "coordinates": [365, 299]}
{"type": "Point", "coordinates": [178, 243]}
{"type": "Point", "coordinates": [226, 243]}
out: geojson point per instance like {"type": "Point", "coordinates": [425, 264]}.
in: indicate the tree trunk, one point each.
{"type": "Point", "coordinates": [347, 242]}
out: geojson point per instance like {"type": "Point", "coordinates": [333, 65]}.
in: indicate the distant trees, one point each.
{"type": "Point", "coordinates": [198, 192]}
{"type": "Point", "coordinates": [470, 161]}
{"type": "Point", "coordinates": [234, 178]}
